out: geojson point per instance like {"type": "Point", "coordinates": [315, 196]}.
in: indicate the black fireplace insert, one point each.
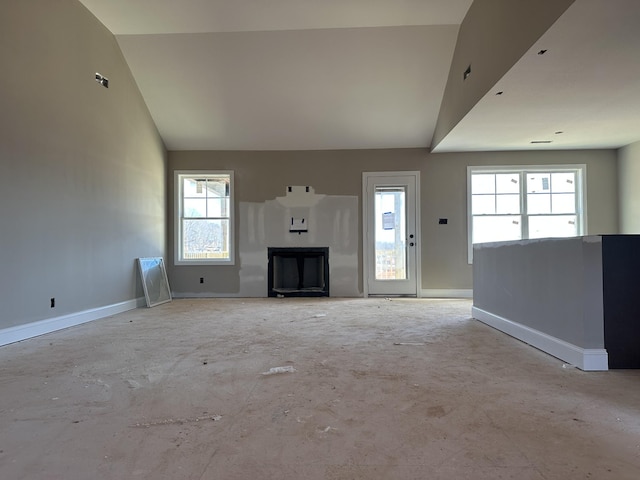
{"type": "Point", "coordinates": [298, 271]}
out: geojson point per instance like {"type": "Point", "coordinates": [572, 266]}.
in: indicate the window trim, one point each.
{"type": "Point", "coordinates": [178, 175]}
{"type": "Point", "coordinates": [581, 191]}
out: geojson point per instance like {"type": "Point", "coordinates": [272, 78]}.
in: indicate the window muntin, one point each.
{"type": "Point", "coordinates": [514, 203]}
{"type": "Point", "coordinates": [204, 220]}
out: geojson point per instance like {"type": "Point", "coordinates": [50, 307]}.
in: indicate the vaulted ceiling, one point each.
{"type": "Point", "coordinates": [342, 74]}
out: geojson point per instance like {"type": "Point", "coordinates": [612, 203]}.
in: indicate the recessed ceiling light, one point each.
{"type": "Point", "coordinates": [499, 93]}
{"type": "Point", "coordinates": [559, 132]}
{"type": "Point", "coordinates": [542, 52]}
{"type": "Point", "coordinates": [541, 141]}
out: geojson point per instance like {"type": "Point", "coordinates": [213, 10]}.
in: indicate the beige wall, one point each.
{"type": "Point", "coordinates": [82, 189]}
{"type": "Point", "coordinates": [84, 173]}
{"type": "Point", "coordinates": [263, 176]}
{"type": "Point", "coordinates": [444, 247]}
{"type": "Point", "coordinates": [628, 191]}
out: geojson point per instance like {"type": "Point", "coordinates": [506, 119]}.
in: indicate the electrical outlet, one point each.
{"type": "Point", "coordinates": [53, 302]}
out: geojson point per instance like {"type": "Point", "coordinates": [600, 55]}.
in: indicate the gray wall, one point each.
{"type": "Point", "coordinates": [82, 189]}
{"type": "Point", "coordinates": [628, 191]}
{"type": "Point", "coordinates": [493, 37]}
{"type": "Point", "coordinates": [263, 176]}
{"type": "Point", "coordinates": [551, 285]}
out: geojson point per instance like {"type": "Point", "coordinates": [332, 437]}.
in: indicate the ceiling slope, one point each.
{"type": "Point", "coordinates": [577, 87]}
{"type": "Point", "coordinates": [354, 74]}
{"type": "Point", "coordinates": [288, 74]}
{"type": "Point", "coordinates": [294, 89]}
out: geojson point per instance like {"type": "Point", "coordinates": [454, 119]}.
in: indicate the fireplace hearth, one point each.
{"type": "Point", "coordinates": [298, 271]}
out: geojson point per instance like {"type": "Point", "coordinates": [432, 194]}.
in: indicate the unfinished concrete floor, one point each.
{"type": "Point", "coordinates": [382, 389]}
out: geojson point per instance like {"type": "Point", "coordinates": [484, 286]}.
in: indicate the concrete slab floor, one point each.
{"type": "Point", "coordinates": [382, 389]}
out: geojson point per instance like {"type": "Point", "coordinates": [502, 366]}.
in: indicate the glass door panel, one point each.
{"type": "Point", "coordinates": [390, 233]}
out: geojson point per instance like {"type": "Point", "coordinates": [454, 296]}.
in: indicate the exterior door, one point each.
{"type": "Point", "coordinates": [391, 250]}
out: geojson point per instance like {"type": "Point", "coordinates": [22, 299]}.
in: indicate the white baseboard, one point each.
{"type": "Point", "coordinates": [446, 293]}
{"type": "Point", "coordinates": [185, 295]}
{"type": "Point", "coordinates": [587, 359]}
{"type": "Point", "coordinates": [428, 293]}
{"type": "Point", "coordinates": [34, 329]}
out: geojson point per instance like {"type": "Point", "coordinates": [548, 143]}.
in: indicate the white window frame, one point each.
{"type": "Point", "coordinates": [178, 216]}
{"type": "Point", "coordinates": [522, 170]}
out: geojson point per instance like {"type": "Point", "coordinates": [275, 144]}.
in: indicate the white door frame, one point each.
{"type": "Point", "coordinates": [365, 228]}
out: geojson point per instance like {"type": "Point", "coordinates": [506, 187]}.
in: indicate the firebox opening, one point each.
{"type": "Point", "coordinates": [298, 272]}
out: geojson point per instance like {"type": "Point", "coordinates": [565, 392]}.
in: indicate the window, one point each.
{"type": "Point", "coordinates": [204, 218]}
{"type": "Point", "coordinates": [509, 203]}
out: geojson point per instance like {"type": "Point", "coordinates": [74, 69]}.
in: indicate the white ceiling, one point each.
{"type": "Point", "coordinates": [133, 17]}
{"type": "Point", "coordinates": [340, 74]}
{"type": "Point", "coordinates": [587, 86]}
